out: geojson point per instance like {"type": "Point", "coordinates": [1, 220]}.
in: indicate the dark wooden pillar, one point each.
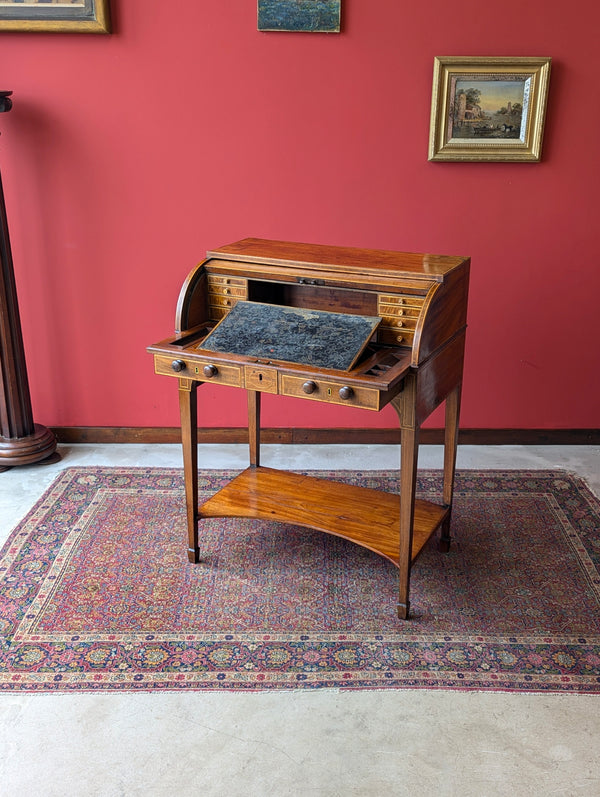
{"type": "Point", "coordinates": [22, 441]}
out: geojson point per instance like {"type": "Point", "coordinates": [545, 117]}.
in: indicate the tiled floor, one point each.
{"type": "Point", "coordinates": [297, 743]}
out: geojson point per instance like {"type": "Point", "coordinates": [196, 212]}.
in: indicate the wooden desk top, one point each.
{"type": "Point", "coordinates": [340, 258]}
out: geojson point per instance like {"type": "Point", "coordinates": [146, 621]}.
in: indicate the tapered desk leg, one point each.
{"type": "Point", "coordinates": [450, 447]}
{"type": "Point", "coordinates": [188, 408]}
{"type": "Point", "coordinates": [409, 451]}
{"type": "Point", "coordinates": [254, 426]}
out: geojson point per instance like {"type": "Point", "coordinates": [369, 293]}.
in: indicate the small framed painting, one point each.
{"type": "Point", "coordinates": [76, 16]}
{"type": "Point", "coordinates": [488, 109]}
{"type": "Point", "coordinates": [312, 16]}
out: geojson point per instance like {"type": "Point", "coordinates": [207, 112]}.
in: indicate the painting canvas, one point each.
{"type": "Point", "coordinates": [50, 16]}
{"type": "Point", "coordinates": [317, 16]}
{"type": "Point", "coordinates": [489, 107]}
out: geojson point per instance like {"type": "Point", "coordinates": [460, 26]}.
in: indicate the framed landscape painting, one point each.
{"type": "Point", "coordinates": [488, 109]}
{"type": "Point", "coordinates": [77, 16]}
{"type": "Point", "coordinates": [310, 16]}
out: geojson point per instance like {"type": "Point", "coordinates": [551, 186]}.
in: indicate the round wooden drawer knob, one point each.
{"type": "Point", "coordinates": [309, 387]}
{"type": "Point", "coordinates": [178, 365]}
{"type": "Point", "coordinates": [210, 370]}
{"type": "Point", "coordinates": [346, 392]}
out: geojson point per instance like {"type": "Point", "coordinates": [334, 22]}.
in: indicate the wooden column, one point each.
{"type": "Point", "coordinates": [22, 441]}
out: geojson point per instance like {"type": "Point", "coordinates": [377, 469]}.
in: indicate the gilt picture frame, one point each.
{"type": "Point", "coordinates": [67, 16]}
{"type": "Point", "coordinates": [488, 108]}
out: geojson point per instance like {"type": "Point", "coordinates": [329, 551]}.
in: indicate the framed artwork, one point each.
{"type": "Point", "coordinates": [76, 16]}
{"type": "Point", "coordinates": [312, 16]}
{"type": "Point", "coordinates": [488, 109]}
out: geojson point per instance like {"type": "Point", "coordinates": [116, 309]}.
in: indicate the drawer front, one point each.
{"type": "Point", "coordinates": [398, 311]}
{"type": "Point", "coordinates": [330, 392]}
{"type": "Point", "coordinates": [224, 298]}
{"type": "Point", "coordinates": [261, 378]}
{"type": "Point", "coordinates": [199, 370]}
{"type": "Point", "coordinates": [395, 302]}
{"type": "Point", "coordinates": [402, 322]}
{"type": "Point", "coordinates": [395, 336]}
{"type": "Point", "coordinates": [221, 282]}
{"type": "Point", "coordinates": [224, 302]}
{"type": "Point", "coordinates": [238, 293]}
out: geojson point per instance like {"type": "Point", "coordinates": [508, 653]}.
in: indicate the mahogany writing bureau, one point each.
{"type": "Point", "coordinates": [413, 360]}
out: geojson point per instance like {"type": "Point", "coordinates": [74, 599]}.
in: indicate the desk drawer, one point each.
{"type": "Point", "coordinates": [330, 392]}
{"type": "Point", "coordinates": [238, 293]}
{"type": "Point", "coordinates": [222, 287]}
{"type": "Point", "coordinates": [222, 281]}
{"type": "Point", "coordinates": [395, 336]}
{"type": "Point", "coordinates": [216, 300]}
{"type": "Point", "coordinates": [392, 304]}
{"type": "Point", "coordinates": [195, 369]}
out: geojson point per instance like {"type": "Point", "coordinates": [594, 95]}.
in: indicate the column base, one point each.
{"type": "Point", "coordinates": [27, 450]}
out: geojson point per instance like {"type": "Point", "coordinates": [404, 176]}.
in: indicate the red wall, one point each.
{"type": "Point", "coordinates": [126, 156]}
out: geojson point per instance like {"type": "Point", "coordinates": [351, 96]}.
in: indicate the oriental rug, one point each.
{"type": "Point", "coordinates": [96, 592]}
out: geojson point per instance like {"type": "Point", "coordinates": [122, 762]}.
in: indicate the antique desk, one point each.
{"type": "Point", "coordinates": [413, 361]}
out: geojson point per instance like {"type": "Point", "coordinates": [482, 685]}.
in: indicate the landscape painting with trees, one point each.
{"type": "Point", "coordinates": [488, 107]}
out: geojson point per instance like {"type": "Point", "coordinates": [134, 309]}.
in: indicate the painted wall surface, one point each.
{"type": "Point", "coordinates": [125, 157]}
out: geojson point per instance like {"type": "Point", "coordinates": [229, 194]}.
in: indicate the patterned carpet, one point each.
{"type": "Point", "coordinates": [96, 592]}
